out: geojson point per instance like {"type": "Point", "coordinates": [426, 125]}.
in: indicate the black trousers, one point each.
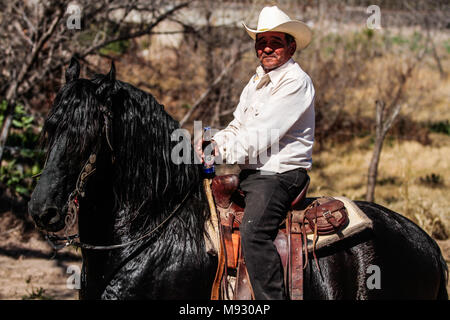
{"type": "Point", "coordinates": [267, 199]}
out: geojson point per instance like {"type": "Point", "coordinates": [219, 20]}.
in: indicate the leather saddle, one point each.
{"type": "Point", "coordinates": [318, 216]}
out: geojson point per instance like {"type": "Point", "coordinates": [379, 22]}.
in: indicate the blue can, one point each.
{"type": "Point", "coordinates": [208, 163]}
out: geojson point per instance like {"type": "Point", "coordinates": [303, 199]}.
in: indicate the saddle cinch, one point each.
{"type": "Point", "coordinates": [321, 216]}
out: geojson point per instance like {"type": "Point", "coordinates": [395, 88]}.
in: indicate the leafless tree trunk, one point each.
{"type": "Point", "coordinates": [213, 84]}
{"type": "Point", "coordinates": [6, 126]}
{"type": "Point", "coordinates": [431, 15]}
{"type": "Point", "coordinates": [383, 124]}
{"type": "Point", "coordinates": [385, 116]}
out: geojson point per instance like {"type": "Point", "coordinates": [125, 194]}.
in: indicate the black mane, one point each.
{"type": "Point", "coordinates": [76, 114]}
{"type": "Point", "coordinates": [145, 179]}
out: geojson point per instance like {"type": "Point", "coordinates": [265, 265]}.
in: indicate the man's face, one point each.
{"type": "Point", "coordinates": [272, 49]}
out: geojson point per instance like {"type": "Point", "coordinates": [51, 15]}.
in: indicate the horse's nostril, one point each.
{"type": "Point", "coordinates": [50, 216]}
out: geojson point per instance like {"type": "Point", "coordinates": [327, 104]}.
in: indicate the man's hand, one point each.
{"type": "Point", "coordinates": [200, 152]}
{"type": "Point", "coordinates": [198, 149]}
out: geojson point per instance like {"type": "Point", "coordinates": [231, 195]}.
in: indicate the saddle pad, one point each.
{"type": "Point", "coordinates": [358, 221]}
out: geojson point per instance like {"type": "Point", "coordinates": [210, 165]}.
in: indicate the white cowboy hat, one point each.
{"type": "Point", "coordinates": [273, 19]}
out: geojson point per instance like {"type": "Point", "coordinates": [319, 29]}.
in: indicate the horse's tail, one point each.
{"type": "Point", "coordinates": [442, 293]}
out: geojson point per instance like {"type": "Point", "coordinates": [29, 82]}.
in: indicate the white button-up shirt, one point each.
{"type": "Point", "coordinates": [273, 125]}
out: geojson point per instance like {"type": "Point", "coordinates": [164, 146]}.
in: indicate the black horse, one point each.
{"type": "Point", "coordinates": [136, 190]}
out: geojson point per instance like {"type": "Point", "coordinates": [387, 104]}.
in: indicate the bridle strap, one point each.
{"type": "Point", "coordinates": [73, 205]}
{"type": "Point", "coordinates": [70, 239]}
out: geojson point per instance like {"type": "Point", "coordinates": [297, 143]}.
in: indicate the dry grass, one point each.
{"type": "Point", "coordinates": [413, 179]}
{"type": "Point", "coordinates": [427, 95]}
{"type": "Point", "coordinates": [402, 183]}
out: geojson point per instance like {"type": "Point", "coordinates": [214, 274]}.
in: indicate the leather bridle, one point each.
{"type": "Point", "coordinates": [72, 215]}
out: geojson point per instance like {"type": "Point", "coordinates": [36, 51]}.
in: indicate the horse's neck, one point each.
{"type": "Point", "coordinates": [95, 217]}
{"type": "Point", "coordinates": [106, 219]}
{"type": "Point", "coordinates": [180, 237]}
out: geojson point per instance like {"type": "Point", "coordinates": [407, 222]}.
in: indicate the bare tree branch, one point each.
{"type": "Point", "coordinates": [219, 78]}
{"type": "Point", "coordinates": [36, 42]}
{"type": "Point", "coordinates": [385, 116]}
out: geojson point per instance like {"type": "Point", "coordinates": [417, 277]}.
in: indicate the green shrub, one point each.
{"type": "Point", "coordinates": [447, 45]}
{"type": "Point", "coordinates": [37, 294]}
{"type": "Point", "coordinates": [117, 48]}
{"type": "Point", "coordinates": [21, 155]}
{"type": "Point", "coordinates": [432, 180]}
{"type": "Point", "coordinates": [440, 127]}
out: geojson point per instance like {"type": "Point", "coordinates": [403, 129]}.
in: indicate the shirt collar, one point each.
{"type": "Point", "coordinates": [275, 74]}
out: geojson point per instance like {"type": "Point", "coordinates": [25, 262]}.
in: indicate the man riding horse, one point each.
{"type": "Point", "coordinates": [141, 218]}
{"type": "Point", "coordinates": [278, 99]}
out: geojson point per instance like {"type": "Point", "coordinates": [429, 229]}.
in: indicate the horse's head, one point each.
{"type": "Point", "coordinates": [74, 130]}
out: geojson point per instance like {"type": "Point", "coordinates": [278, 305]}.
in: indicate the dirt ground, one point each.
{"type": "Point", "coordinates": [28, 269]}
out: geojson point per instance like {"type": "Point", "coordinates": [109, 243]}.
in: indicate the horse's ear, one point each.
{"type": "Point", "coordinates": [112, 72]}
{"type": "Point", "coordinates": [73, 71]}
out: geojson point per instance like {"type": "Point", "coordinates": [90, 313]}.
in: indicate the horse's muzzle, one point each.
{"type": "Point", "coordinates": [48, 218]}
